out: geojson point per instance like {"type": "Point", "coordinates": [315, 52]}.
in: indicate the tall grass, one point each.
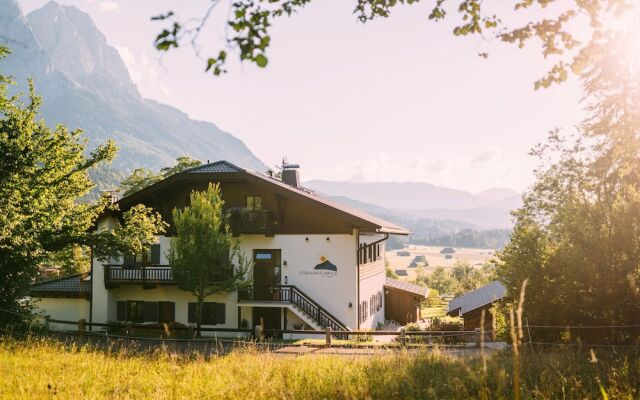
{"type": "Point", "coordinates": [44, 370]}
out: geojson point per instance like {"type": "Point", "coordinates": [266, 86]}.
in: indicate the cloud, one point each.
{"type": "Point", "coordinates": [109, 6]}
{"type": "Point", "coordinates": [485, 157]}
{"type": "Point", "coordinates": [143, 72]}
{"type": "Point", "coordinates": [436, 166]}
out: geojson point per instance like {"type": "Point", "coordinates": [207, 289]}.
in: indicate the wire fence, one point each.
{"type": "Point", "coordinates": [222, 340]}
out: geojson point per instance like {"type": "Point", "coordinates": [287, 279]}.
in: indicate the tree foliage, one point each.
{"type": "Point", "coordinates": [566, 31]}
{"type": "Point", "coordinates": [576, 237]}
{"type": "Point", "coordinates": [461, 278]}
{"type": "Point", "coordinates": [43, 174]}
{"type": "Point", "coordinates": [141, 178]}
{"type": "Point", "coordinates": [204, 256]}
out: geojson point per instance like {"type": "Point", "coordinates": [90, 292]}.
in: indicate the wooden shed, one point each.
{"type": "Point", "coordinates": [470, 305]}
{"type": "Point", "coordinates": [402, 301]}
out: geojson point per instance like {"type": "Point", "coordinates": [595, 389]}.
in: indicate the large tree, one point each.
{"type": "Point", "coordinates": [43, 174]}
{"type": "Point", "coordinates": [141, 178]}
{"type": "Point", "coordinates": [205, 257]}
{"type": "Point", "coordinates": [577, 236]}
{"type": "Point", "coordinates": [566, 31]}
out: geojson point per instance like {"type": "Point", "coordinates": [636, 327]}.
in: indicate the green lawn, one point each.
{"type": "Point", "coordinates": [435, 311]}
{"type": "Point", "coordinates": [45, 370]}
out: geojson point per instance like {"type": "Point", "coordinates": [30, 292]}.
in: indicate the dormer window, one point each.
{"type": "Point", "coordinates": [254, 203]}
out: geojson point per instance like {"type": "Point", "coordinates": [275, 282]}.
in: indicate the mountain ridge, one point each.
{"type": "Point", "coordinates": [85, 84]}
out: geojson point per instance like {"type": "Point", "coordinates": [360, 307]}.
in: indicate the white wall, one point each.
{"type": "Point", "coordinates": [64, 309]}
{"type": "Point", "coordinates": [373, 285]}
{"type": "Point", "coordinates": [332, 290]}
{"type": "Point", "coordinates": [178, 296]}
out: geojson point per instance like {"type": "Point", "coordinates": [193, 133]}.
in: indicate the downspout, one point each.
{"type": "Point", "coordinates": [91, 291]}
{"type": "Point", "coordinates": [357, 305]}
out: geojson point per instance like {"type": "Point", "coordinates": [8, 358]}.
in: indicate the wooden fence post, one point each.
{"type": "Point", "coordinates": [477, 335]}
{"type": "Point", "coordinates": [328, 336]}
{"type": "Point", "coordinates": [47, 323]}
{"type": "Point", "coordinates": [403, 336]}
{"type": "Point", "coordinates": [82, 324]}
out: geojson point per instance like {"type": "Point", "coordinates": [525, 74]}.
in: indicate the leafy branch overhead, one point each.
{"type": "Point", "coordinates": [250, 22]}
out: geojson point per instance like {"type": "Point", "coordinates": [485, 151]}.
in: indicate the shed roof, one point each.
{"type": "Point", "coordinates": [478, 298]}
{"type": "Point", "coordinates": [78, 285]}
{"type": "Point", "coordinates": [406, 287]}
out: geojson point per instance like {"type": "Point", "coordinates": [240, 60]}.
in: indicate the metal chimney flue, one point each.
{"type": "Point", "coordinates": [290, 174]}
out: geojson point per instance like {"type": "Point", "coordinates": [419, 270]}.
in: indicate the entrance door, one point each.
{"type": "Point", "coordinates": [266, 273]}
{"type": "Point", "coordinates": [269, 316]}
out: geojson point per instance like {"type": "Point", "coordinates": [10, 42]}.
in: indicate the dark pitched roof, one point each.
{"type": "Point", "coordinates": [227, 167]}
{"type": "Point", "coordinates": [215, 167]}
{"type": "Point", "coordinates": [78, 285]}
{"type": "Point", "coordinates": [475, 299]}
{"type": "Point", "coordinates": [406, 286]}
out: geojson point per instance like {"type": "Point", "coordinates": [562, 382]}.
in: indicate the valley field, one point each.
{"type": "Point", "coordinates": [475, 257]}
{"type": "Point", "coordinates": [45, 370]}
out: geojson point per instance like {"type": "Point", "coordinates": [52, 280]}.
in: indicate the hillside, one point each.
{"type": "Point", "coordinates": [85, 84]}
{"type": "Point", "coordinates": [415, 201]}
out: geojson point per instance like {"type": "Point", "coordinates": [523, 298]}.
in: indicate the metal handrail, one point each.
{"type": "Point", "coordinates": [292, 294]}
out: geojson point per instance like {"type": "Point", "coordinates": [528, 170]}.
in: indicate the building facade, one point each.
{"type": "Point", "coordinates": [316, 263]}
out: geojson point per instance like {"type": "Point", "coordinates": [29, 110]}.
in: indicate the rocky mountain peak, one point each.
{"type": "Point", "coordinates": [78, 48]}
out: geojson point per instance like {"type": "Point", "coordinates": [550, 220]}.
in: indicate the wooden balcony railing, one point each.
{"type": "Point", "coordinates": [115, 274]}
{"type": "Point", "coordinates": [245, 221]}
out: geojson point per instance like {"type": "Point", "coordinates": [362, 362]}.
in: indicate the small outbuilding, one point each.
{"type": "Point", "coordinates": [470, 305]}
{"type": "Point", "coordinates": [448, 250]}
{"type": "Point", "coordinates": [402, 301]}
{"type": "Point", "coordinates": [66, 298]}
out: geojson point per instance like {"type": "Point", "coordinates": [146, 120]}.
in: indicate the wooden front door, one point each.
{"type": "Point", "coordinates": [266, 273]}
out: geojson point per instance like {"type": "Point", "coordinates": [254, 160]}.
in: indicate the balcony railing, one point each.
{"type": "Point", "coordinates": [245, 221]}
{"type": "Point", "coordinates": [115, 274]}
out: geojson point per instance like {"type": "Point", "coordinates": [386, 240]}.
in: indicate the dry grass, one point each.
{"type": "Point", "coordinates": [45, 370]}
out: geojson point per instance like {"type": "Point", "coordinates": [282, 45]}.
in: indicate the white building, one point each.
{"type": "Point", "coordinates": [317, 263]}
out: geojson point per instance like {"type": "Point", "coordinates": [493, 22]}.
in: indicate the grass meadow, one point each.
{"type": "Point", "coordinates": [42, 369]}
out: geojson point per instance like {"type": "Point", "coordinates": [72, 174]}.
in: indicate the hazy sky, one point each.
{"type": "Point", "coordinates": [399, 99]}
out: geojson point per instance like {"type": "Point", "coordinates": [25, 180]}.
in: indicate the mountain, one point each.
{"type": "Point", "coordinates": [415, 201]}
{"type": "Point", "coordinates": [457, 228]}
{"type": "Point", "coordinates": [85, 84]}
{"type": "Point", "coordinates": [497, 194]}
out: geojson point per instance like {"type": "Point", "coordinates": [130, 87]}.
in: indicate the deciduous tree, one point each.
{"type": "Point", "coordinates": [205, 257]}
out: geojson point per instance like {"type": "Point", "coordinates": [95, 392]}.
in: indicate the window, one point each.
{"type": "Point", "coordinates": [364, 311]}
{"type": "Point", "coordinates": [151, 256]}
{"type": "Point", "coordinates": [212, 313]}
{"type": "Point", "coordinates": [146, 311]}
{"type": "Point", "coordinates": [254, 203]}
{"type": "Point", "coordinates": [166, 312]}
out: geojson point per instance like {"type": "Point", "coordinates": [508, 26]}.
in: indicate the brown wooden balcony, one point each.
{"type": "Point", "coordinates": [145, 275]}
{"type": "Point", "coordinates": [248, 222]}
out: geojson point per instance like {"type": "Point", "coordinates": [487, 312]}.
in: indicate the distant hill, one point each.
{"type": "Point", "coordinates": [437, 231]}
{"type": "Point", "coordinates": [416, 200]}
{"type": "Point", "coordinates": [85, 84]}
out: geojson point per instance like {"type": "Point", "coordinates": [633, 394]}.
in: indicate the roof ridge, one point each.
{"type": "Point", "coordinates": [59, 279]}
{"type": "Point", "coordinates": [229, 163]}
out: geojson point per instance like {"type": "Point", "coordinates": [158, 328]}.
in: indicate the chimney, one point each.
{"type": "Point", "coordinates": [291, 174]}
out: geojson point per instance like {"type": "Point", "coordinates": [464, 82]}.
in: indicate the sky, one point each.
{"type": "Point", "coordinates": [398, 99]}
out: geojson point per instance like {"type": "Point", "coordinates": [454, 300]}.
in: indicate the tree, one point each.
{"type": "Point", "coordinates": [141, 178]}
{"type": "Point", "coordinates": [421, 276]}
{"type": "Point", "coordinates": [388, 271]}
{"type": "Point", "coordinates": [566, 32]}
{"type": "Point", "coordinates": [204, 256]}
{"type": "Point", "coordinates": [43, 174]}
{"type": "Point", "coordinates": [575, 237]}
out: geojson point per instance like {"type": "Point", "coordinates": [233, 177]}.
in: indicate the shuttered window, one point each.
{"type": "Point", "coordinates": [146, 311]}
{"type": "Point", "coordinates": [155, 254]}
{"type": "Point", "coordinates": [166, 311]}
{"type": "Point", "coordinates": [212, 313]}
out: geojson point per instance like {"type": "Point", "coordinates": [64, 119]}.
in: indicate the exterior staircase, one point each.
{"type": "Point", "coordinates": [296, 300]}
